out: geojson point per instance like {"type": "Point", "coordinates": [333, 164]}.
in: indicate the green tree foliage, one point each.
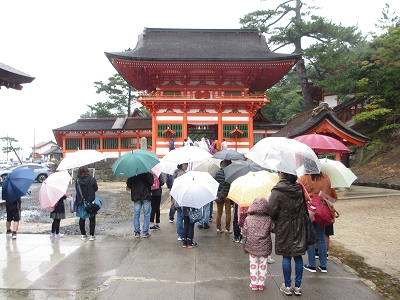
{"type": "Point", "coordinates": [380, 85]}
{"type": "Point", "coordinates": [285, 99]}
{"type": "Point", "coordinates": [9, 148]}
{"type": "Point", "coordinates": [290, 23]}
{"type": "Point", "coordinates": [121, 97]}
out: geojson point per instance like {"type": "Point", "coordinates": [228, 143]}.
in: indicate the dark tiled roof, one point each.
{"type": "Point", "coordinates": [52, 150]}
{"type": "Point", "coordinates": [305, 122]}
{"type": "Point", "coordinates": [106, 124]}
{"type": "Point", "coordinates": [13, 78]}
{"type": "Point", "coordinates": [157, 44]}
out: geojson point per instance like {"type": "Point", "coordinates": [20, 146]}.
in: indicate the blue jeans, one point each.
{"type": "Point", "coordinates": [205, 214]}
{"type": "Point", "coordinates": [188, 231]}
{"type": "Point", "coordinates": [137, 207]}
{"type": "Point", "coordinates": [287, 270]}
{"type": "Point", "coordinates": [179, 221]}
{"type": "Point", "coordinates": [321, 248]}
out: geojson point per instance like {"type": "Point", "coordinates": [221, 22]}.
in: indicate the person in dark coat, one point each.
{"type": "Point", "coordinates": [86, 187]}
{"type": "Point", "coordinates": [140, 186]}
{"type": "Point", "coordinates": [287, 208]}
{"type": "Point", "coordinates": [257, 241]}
{"type": "Point", "coordinates": [57, 214]}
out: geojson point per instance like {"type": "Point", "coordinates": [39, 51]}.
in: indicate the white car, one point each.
{"type": "Point", "coordinates": [4, 164]}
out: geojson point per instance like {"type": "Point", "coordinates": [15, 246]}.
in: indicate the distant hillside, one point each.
{"type": "Point", "coordinates": [379, 165]}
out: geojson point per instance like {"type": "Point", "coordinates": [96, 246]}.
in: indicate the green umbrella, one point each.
{"type": "Point", "coordinates": [135, 162]}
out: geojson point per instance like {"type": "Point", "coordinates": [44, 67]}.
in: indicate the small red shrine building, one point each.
{"type": "Point", "coordinates": [202, 82]}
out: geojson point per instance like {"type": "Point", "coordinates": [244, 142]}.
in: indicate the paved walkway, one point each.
{"type": "Point", "coordinates": [39, 267]}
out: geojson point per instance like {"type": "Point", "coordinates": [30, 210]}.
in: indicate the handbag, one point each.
{"type": "Point", "coordinates": [195, 215]}
{"type": "Point", "coordinates": [323, 214]}
{"type": "Point", "coordinates": [93, 206]}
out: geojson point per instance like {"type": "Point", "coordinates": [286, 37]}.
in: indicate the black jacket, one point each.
{"type": "Point", "coordinates": [88, 186]}
{"type": "Point", "coordinates": [140, 186]}
{"type": "Point", "coordinates": [60, 208]}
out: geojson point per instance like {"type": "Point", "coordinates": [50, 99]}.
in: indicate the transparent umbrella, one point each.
{"type": "Point", "coordinates": [285, 155]}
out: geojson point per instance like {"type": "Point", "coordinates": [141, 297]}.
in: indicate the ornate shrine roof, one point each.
{"type": "Point", "coordinates": [205, 45]}
{"type": "Point", "coordinates": [308, 121]}
{"type": "Point", "coordinates": [13, 78]}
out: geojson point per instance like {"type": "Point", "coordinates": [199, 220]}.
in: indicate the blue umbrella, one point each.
{"type": "Point", "coordinates": [16, 184]}
{"type": "Point", "coordinates": [135, 162]}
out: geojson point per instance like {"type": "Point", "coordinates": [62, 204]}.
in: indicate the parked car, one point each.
{"type": "Point", "coordinates": [4, 164]}
{"type": "Point", "coordinates": [40, 172]}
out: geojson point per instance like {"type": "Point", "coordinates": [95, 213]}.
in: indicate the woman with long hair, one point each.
{"type": "Point", "coordinates": [86, 186]}
{"type": "Point", "coordinates": [314, 183]}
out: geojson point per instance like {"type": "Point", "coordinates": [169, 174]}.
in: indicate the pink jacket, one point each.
{"type": "Point", "coordinates": [257, 229]}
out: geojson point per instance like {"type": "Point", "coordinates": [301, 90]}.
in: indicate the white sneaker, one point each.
{"type": "Point", "coordinates": [84, 237]}
{"type": "Point", "coordinates": [270, 260]}
{"type": "Point", "coordinates": [60, 235]}
{"type": "Point", "coordinates": [92, 238]}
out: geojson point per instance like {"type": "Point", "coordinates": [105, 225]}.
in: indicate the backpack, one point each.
{"type": "Point", "coordinates": [156, 184]}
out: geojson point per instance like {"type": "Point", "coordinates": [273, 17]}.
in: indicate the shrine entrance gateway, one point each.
{"type": "Point", "coordinates": [198, 82]}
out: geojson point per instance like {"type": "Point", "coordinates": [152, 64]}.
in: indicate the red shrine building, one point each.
{"type": "Point", "coordinates": [195, 83]}
{"type": "Point", "coordinates": [202, 82]}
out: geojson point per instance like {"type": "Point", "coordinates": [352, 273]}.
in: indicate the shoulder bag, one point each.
{"type": "Point", "coordinates": [91, 207]}
{"type": "Point", "coordinates": [195, 215]}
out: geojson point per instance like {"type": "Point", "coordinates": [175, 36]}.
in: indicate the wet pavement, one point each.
{"type": "Point", "coordinates": [35, 266]}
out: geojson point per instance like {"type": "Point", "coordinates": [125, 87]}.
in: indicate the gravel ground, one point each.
{"type": "Point", "coordinates": [114, 218]}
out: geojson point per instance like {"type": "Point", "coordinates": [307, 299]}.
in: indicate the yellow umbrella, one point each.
{"type": "Point", "coordinates": [246, 188]}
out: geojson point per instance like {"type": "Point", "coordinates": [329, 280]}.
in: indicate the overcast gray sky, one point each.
{"type": "Point", "coordinates": [62, 44]}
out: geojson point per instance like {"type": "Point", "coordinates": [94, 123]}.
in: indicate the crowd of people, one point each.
{"type": "Point", "coordinates": [283, 213]}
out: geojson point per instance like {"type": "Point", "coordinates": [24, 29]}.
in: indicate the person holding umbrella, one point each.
{"type": "Point", "coordinates": [287, 208]}
{"type": "Point", "coordinates": [140, 186]}
{"type": "Point", "coordinates": [86, 186]}
{"type": "Point", "coordinates": [57, 214]}
{"type": "Point", "coordinates": [13, 210]}
{"type": "Point", "coordinates": [181, 169]}
{"type": "Point", "coordinates": [314, 183]}
{"type": "Point", "coordinates": [14, 187]}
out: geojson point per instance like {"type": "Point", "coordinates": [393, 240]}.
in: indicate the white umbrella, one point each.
{"type": "Point", "coordinates": [285, 155]}
{"type": "Point", "coordinates": [210, 165]}
{"type": "Point", "coordinates": [186, 155]}
{"type": "Point", "coordinates": [169, 166]}
{"type": "Point", "coordinates": [53, 188]}
{"type": "Point", "coordinates": [194, 189]}
{"type": "Point", "coordinates": [338, 173]}
{"type": "Point", "coordinates": [80, 158]}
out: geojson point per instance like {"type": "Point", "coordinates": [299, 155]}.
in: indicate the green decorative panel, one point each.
{"type": "Point", "coordinates": [92, 143]}
{"type": "Point", "coordinates": [73, 144]}
{"type": "Point", "coordinates": [175, 127]}
{"type": "Point", "coordinates": [230, 127]}
{"type": "Point", "coordinates": [110, 143]}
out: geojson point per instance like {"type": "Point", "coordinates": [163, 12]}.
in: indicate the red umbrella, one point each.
{"type": "Point", "coordinates": [322, 143]}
